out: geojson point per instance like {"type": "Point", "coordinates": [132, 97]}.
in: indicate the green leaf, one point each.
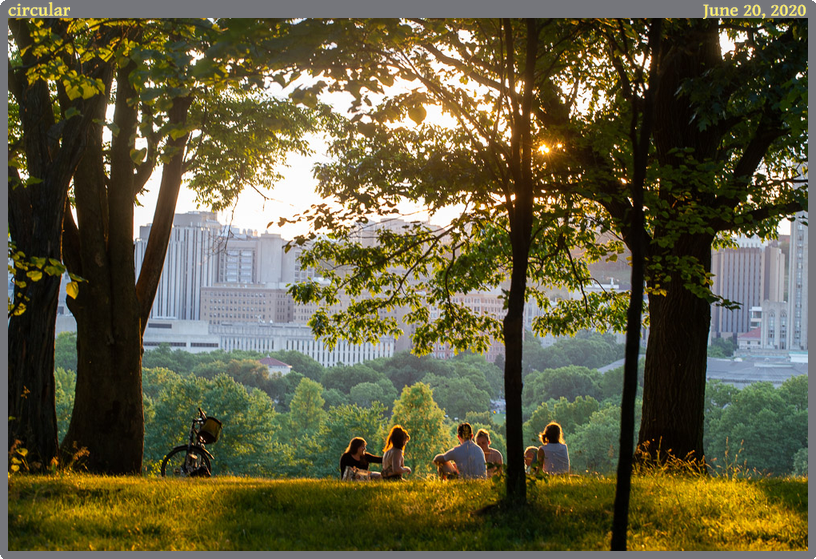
{"type": "Point", "coordinates": [138, 155]}
{"type": "Point", "coordinates": [177, 133]}
{"type": "Point", "coordinates": [35, 275]}
{"type": "Point", "coordinates": [73, 91]}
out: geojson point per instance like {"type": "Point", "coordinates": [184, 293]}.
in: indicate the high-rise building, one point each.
{"type": "Point", "coordinates": [247, 258]}
{"type": "Point", "coordinates": [190, 264]}
{"type": "Point", "coordinates": [203, 254]}
{"type": "Point", "coordinates": [749, 274]}
{"type": "Point", "coordinates": [797, 333]}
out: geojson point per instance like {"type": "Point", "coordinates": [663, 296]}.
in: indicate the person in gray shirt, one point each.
{"type": "Point", "coordinates": [468, 460]}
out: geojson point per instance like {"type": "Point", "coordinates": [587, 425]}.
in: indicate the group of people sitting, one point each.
{"type": "Point", "coordinates": [472, 458]}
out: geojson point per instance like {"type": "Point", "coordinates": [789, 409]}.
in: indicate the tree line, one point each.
{"type": "Point", "coordinates": [294, 426]}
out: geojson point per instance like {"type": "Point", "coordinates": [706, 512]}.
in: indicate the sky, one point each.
{"type": "Point", "coordinates": [292, 195]}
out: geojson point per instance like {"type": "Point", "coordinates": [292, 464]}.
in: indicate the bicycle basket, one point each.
{"type": "Point", "coordinates": [210, 430]}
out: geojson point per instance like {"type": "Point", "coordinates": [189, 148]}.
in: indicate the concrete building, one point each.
{"type": "Point", "coordinates": [798, 285]}
{"type": "Point", "coordinates": [191, 263]}
{"type": "Point", "coordinates": [297, 337]}
{"type": "Point", "coordinates": [202, 254]}
{"type": "Point", "coordinates": [749, 274]}
{"type": "Point", "coordinates": [774, 328]}
{"type": "Point", "coordinates": [367, 233]}
{"type": "Point", "coordinates": [192, 336]}
{"type": "Point", "coordinates": [245, 302]}
{"type": "Point", "coordinates": [775, 369]}
{"type": "Point", "coordinates": [244, 257]}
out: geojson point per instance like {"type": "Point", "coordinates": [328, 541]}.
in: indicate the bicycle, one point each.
{"type": "Point", "coordinates": [192, 459]}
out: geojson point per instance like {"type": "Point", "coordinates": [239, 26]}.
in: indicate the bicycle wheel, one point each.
{"type": "Point", "coordinates": [175, 464]}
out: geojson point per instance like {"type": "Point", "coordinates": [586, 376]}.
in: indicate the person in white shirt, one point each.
{"type": "Point", "coordinates": [553, 455]}
{"type": "Point", "coordinates": [393, 459]}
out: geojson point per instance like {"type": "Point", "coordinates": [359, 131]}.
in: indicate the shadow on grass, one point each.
{"type": "Point", "coordinates": [793, 496]}
{"type": "Point", "coordinates": [415, 515]}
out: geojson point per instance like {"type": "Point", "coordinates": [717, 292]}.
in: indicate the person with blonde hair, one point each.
{"type": "Point", "coordinates": [553, 455]}
{"type": "Point", "coordinates": [531, 463]}
{"type": "Point", "coordinates": [493, 457]}
{"type": "Point", "coordinates": [393, 458]}
{"type": "Point", "coordinates": [468, 459]}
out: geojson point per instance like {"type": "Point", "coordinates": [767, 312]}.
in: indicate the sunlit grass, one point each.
{"type": "Point", "coordinates": [82, 512]}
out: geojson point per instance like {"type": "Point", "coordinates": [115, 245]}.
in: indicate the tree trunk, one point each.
{"type": "Point", "coordinates": [520, 212]}
{"type": "Point", "coordinates": [111, 312]}
{"type": "Point", "coordinates": [675, 375]}
{"type": "Point", "coordinates": [675, 372]}
{"type": "Point", "coordinates": [513, 339]}
{"type": "Point", "coordinates": [35, 224]}
{"type": "Point", "coordinates": [108, 418]}
{"type": "Point", "coordinates": [637, 242]}
{"type": "Point", "coordinates": [31, 396]}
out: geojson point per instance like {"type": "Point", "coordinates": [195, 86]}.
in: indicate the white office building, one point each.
{"type": "Point", "coordinates": [190, 264]}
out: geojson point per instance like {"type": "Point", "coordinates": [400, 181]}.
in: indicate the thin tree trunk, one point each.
{"type": "Point", "coordinates": [521, 224]}
{"type": "Point", "coordinates": [641, 140]}
{"type": "Point", "coordinates": [513, 339]}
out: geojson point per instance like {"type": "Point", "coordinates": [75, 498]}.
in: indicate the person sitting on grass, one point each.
{"type": "Point", "coordinates": [531, 460]}
{"type": "Point", "coordinates": [468, 459]}
{"type": "Point", "coordinates": [493, 457]}
{"type": "Point", "coordinates": [393, 460]}
{"type": "Point", "coordinates": [553, 454]}
{"type": "Point", "coordinates": [355, 456]}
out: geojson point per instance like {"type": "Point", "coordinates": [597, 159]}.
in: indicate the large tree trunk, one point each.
{"type": "Point", "coordinates": [31, 391]}
{"type": "Point", "coordinates": [36, 211]}
{"type": "Point", "coordinates": [675, 371]}
{"type": "Point", "coordinates": [35, 223]}
{"type": "Point", "coordinates": [108, 419]}
{"type": "Point", "coordinates": [675, 375]}
{"type": "Point", "coordinates": [111, 311]}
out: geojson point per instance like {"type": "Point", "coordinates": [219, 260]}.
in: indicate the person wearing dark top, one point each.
{"type": "Point", "coordinates": [356, 456]}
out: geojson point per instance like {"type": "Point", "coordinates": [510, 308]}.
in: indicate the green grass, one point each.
{"type": "Point", "coordinates": [84, 512]}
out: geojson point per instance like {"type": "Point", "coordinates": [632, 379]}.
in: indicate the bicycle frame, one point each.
{"type": "Point", "coordinates": [194, 447]}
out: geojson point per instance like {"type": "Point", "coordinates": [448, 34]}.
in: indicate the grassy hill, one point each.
{"type": "Point", "coordinates": [84, 512]}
